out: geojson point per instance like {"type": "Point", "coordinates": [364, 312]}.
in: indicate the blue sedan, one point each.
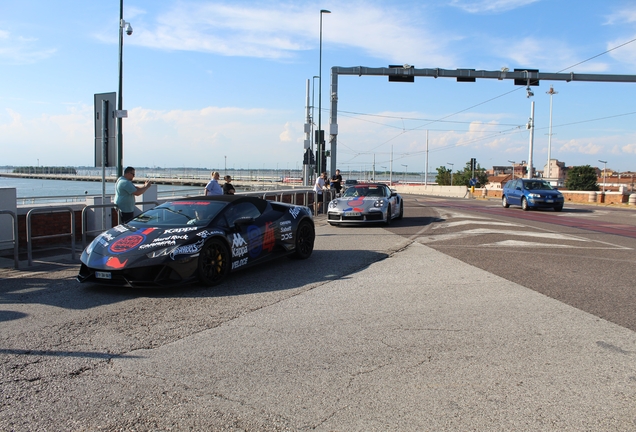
{"type": "Point", "coordinates": [531, 193]}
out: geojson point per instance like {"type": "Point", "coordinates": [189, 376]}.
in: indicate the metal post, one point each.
{"type": "Point", "coordinates": [120, 144]}
{"type": "Point", "coordinates": [321, 148]}
{"type": "Point", "coordinates": [551, 92]}
{"type": "Point", "coordinates": [531, 127]}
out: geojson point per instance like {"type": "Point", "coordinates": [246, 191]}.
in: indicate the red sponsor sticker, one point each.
{"type": "Point", "coordinates": [191, 203]}
{"type": "Point", "coordinates": [127, 243]}
{"type": "Point", "coordinates": [113, 262]}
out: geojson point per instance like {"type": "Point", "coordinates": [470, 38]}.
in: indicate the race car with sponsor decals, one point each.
{"type": "Point", "coordinates": [366, 203]}
{"type": "Point", "coordinates": [197, 239]}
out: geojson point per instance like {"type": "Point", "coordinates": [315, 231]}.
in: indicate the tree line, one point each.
{"type": "Point", "coordinates": [579, 178]}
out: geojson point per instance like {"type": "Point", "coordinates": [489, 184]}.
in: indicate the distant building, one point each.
{"type": "Point", "coordinates": [555, 172]}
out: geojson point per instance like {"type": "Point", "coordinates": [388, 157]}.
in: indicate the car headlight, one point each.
{"type": "Point", "coordinates": [161, 252]}
{"type": "Point", "coordinates": [378, 203]}
{"type": "Point", "coordinates": [333, 204]}
{"type": "Point", "coordinates": [534, 195]}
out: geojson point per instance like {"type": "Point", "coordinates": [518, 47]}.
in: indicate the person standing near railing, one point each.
{"type": "Point", "coordinates": [319, 187]}
{"type": "Point", "coordinates": [213, 187]}
{"type": "Point", "coordinates": [125, 192]}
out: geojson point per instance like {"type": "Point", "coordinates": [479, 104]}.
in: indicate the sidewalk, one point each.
{"type": "Point", "coordinates": [392, 348]}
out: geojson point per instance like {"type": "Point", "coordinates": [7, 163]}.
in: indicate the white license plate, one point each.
{"type": "Point", "coordinates": [549, 201]}
{"type": "Point", "coordinates": [103, 275]}
{"type": "Point", "coordinates": [352, 213]}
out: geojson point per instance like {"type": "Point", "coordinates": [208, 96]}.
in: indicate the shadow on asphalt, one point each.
{"type": "Point", "coordinates": [277, 275]}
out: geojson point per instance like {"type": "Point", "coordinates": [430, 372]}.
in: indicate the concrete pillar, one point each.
{"type": "Point", "coordinates": [149, 195]}
{"type": "Point", "coordinates": [98, 219]}
{"type": "Point", "coordinates": [8, 201]}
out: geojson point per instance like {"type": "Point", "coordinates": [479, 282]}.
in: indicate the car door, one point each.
{"type": "Point", "coordinates": [393, 201]}
{"type": "Point", "coordinates": [512, 193]}
{"type": "Point", "coordinates": [245, 234]}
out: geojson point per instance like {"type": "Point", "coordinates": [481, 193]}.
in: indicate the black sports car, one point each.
{"type": "Point", "coordinates": [202, 238]}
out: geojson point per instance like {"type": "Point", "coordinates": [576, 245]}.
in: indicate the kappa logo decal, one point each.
{"type": "Point", "coordinates": [238, 241]}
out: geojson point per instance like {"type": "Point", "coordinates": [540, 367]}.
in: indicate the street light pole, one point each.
{"type": "Point", "coordinates": [452, 165]}
{"type": "Point", "coordinates": [513, 168]}
{"type": "Point", "coordinates": [604, 169]}
{"type": "Point", "coordinates": [321, 148]}
{"type": "Point", "coordinates": [551, 92]}
{"type": "Point", "coordinates": [120, 145]}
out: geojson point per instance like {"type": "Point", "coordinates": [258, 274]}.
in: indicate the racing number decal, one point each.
{"type": "Point", "coordinates": [255, 240]}
{"type": "Point", "coordinates": [270, 239]}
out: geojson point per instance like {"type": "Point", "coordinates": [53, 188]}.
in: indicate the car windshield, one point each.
{"type": "Point", "coordinates": [537, 185]}
{"type": "Point", "coordinates": [365, 191]}
{"type": "Point", "coordinates": [178, 213]}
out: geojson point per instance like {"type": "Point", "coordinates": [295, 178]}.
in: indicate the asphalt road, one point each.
{"type": "Point", "coordinates": [461, 316]}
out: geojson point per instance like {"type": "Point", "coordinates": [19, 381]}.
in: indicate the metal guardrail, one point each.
{"type": "Point", "coordinates": [84, 224]}
{"type": "Point", "coordinates": [109, 205]}
{"type": "Point", "coordinates": [49, 210]}
{"type": "Point", "coordinates": [16, 261]}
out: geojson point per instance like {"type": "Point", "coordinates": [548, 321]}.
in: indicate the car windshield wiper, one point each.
{"type": "Point", "coordinates": [179, 213]}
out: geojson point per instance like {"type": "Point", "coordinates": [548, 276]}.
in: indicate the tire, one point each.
{"type": "Point", "coordinates": [558, 208]}
{"type": "Point", "coordinates": [504, 202]}
{"type": "Point", "coordinates": [215, 261]}
{"type": "Point", "coordinates": [401, 215]}
{"type": "Point", "coordinates": [305, 238]}
{"type": "Point", "coordinates": [524, 204]}
{"type": "Point", "coordinates": [388, 217]}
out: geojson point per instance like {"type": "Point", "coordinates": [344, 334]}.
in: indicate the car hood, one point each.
{"type": "Point", "coordinates": [126, 246]}
{"type": "Point", "coordinates": [544, 192]}
{"type": "Point", "coordinates": [358, 203]}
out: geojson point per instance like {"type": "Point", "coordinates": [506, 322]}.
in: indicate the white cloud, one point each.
{"type": "Point", "coordinates": [17, 50]}
{"type": "Point", "coordinates": [489, 6]}
{"type": "Point", "coordinates": [284, 30]}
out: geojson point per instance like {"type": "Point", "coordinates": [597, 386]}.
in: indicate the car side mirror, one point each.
{"type": "Point", "coordinates": [243, 221]}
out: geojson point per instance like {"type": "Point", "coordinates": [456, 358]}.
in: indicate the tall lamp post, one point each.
{"type": "Point", "coordinates": [513, 168]}
{"type": "Point", "coordinates": [313, 116]}
{"type": "Point", "coordinates": [551, 92]}
{"type": "Point", "coordinates": [321, 148]}
{"type": "Point", "coordinates": [123, 25]}
{"type": "Point", "coordinates": [452, 165]}
{"type": "Point", "coordinates": [604, 167]}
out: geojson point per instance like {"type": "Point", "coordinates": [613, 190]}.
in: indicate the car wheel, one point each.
{"type": "Point", "coordinates": [388, 216]}
{"type": "Point", "coordinates": [504, 202]}
{"type": "Point", "coordinates": [214, 262]}
{"type": "Point", "coordinates": [524, 204]}
{"type": "Point", "coordinates": [305, 237]}
{"type": "Point", "coordinates": [558, 208]}
{"type": "Point", "coordinates": [401, 215]}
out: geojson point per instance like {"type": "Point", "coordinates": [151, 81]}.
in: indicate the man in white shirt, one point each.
{"type": "Point", "coordinates": [319, 187]}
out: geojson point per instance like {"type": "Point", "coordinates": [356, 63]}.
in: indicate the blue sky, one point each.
{"type": "Point", "coordinates": [214, 82]}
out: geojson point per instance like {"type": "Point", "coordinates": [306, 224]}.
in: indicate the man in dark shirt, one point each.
{"type": "Point", "coordinates": [228, 188]}
{"type": "Point", "coordinates": [336, 181]}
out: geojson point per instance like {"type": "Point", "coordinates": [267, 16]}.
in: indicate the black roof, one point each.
{"type": "Point", "coordinates": [260, 203]}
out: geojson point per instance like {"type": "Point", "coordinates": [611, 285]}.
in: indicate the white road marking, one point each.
{"type": "Point", "coordinates": [472, 222]}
